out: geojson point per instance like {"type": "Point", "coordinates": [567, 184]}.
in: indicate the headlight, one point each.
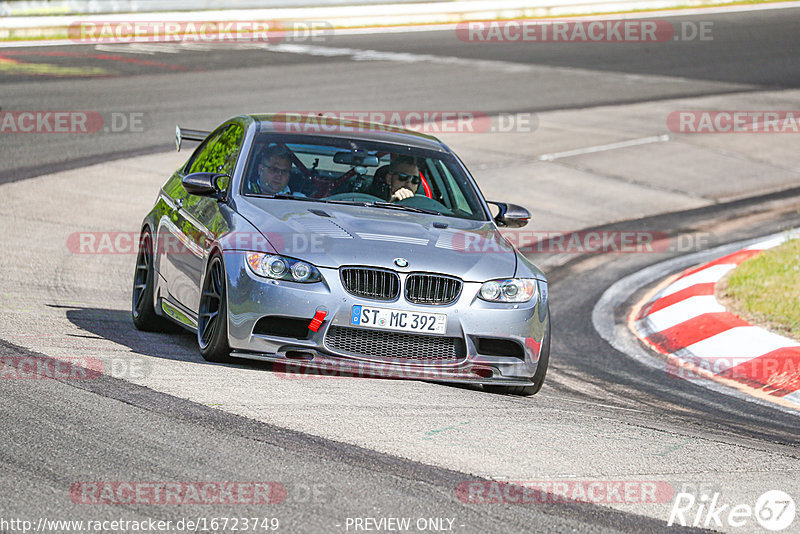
{"type": "Point", "coordinates": [282, 268]}
{"type": "Point", "coordinates": [509, 290]}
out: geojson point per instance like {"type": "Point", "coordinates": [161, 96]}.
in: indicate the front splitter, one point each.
{"type": "Point", "coordinates": [313, 364]}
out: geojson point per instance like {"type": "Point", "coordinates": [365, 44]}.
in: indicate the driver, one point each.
{"type": "Point", "coordinates": [402, 178]}
{"type": "Point", "coordinates": [274, 171]}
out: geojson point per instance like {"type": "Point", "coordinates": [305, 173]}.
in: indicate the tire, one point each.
{"type": "Point", "coordinates": [538, 376]}
{"type": "Point", "coordinates": [212, 317]}
{"type": "Point", "coordinates": [143, 313]}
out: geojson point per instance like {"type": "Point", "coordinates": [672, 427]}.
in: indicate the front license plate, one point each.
{"type": "Point", "coordinates": [404, 321]}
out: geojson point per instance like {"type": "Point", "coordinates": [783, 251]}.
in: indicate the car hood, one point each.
{"type": "Point", "coordinates": [332, 235]}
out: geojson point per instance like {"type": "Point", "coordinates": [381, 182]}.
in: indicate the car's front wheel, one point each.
{"type": "Point", "coordinates": [538, 376]}
{"type": "Point", "coordinates": [212, 320]}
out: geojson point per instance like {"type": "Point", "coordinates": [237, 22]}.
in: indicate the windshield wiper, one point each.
{"type": "Point", "coordinates": [351, 203]}
{"type": "Point", "coordinates": [392, 206]}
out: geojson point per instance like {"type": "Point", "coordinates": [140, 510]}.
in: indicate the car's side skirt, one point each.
{"type": "Point", "coordinates": [179, 314]}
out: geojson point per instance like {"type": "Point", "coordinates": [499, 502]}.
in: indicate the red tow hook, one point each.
{"type": "Point", "coordinates": [316, 322]}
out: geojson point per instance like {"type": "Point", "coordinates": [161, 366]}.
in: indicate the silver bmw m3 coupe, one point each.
{"type": "Point", "coordinates": [329, 245]}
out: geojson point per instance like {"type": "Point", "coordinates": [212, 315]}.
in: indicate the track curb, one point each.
{"type": "Point", "coordinates": [682, 320]}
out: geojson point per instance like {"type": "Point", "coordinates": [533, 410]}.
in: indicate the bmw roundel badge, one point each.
{"type": "Point", "coordinates": [401, 262]}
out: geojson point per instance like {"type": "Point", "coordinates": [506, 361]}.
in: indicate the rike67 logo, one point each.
{"type": "Point", "coordinates": [774, 510]}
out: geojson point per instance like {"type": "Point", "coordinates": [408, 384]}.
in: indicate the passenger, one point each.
{"type": "Point", "coordinates": [274, 171]}
{"type": "Point", "coordinates": [402, 178]}
{"type": "Point", "coordinates": [379, 188]}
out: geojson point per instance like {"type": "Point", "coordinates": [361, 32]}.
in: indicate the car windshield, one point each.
{"type": "Point", "coordinates": [379, 175]}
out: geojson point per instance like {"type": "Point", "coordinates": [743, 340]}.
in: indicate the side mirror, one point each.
{"type": "Point", "coordinates": [511, 215]}
{"type": "Point", "coordinates": [203, 184]}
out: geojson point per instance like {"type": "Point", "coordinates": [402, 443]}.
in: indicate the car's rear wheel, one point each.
{"type": "Point", "coordinates": [212, 320]}
{"type": "Point", "coordinates": [538, 376]}
{"type": "Point", "coordinates": [142, 311]}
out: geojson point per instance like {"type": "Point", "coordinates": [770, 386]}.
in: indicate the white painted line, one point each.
{"type": "Point", "coordinates": [708, 10]}
{"type": "Point", "coordinates": [774, 242]}
{"type": "Point", "coordinates": [710, 274]}
{"type": "Point", "coordinates": [356, 54]}
{"type": "Point", "coordinates": [139, 48]}
{"type": "Point", "coordinates": [737, 346]}
{"type": "Point", "coordinates": [793, 397]}
{"type": "Point", "coordinates": [683, 311]}
{"type": "Point", "coordinates": [603, 148]}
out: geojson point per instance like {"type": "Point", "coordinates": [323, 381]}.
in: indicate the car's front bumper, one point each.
{"type": "Point", "coordinates": [470, 323]}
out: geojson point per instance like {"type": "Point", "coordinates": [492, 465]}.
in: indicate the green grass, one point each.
{"type": "Point", "coordinates": [766, 289]}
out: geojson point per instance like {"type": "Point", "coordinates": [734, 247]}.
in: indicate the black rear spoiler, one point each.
{"type": "Point", "coordinates": [182, 134]}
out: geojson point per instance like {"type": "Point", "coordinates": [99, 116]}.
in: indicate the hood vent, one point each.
{"type": "Point", "coordinates": [326, 228]}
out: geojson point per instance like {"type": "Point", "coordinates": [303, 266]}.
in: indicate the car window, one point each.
{"type": "Point", "coordinates": [199, 153]}
{"type": "Point", "coordinates": [219, 152]}
{"type": "Point", "coordinates": [450, 185]}
{"type": "Point", "coordinates": [319, 172]}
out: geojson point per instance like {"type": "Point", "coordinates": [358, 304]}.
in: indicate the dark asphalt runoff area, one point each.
{"type": "Point", "coordinates": [57, 432]}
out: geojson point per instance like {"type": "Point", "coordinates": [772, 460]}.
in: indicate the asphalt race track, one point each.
{"type": "Point", "coordinates": [368, 448]}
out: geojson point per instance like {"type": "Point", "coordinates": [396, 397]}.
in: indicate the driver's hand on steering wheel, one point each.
{"type": "Point", "coordinates": [402, 194]}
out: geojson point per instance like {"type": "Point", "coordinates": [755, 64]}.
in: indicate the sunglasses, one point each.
{"type": "Point", "coordinates": [404, 177]}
